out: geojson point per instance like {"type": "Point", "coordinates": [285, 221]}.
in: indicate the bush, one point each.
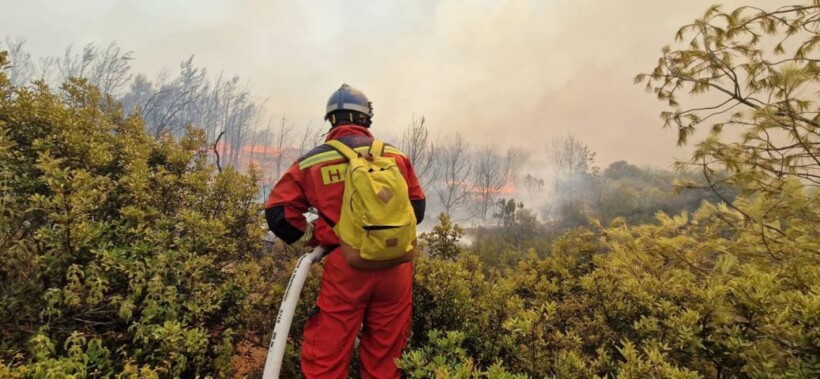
{"type": "Point", "coordinates": [687, 296]}
{"type": "Point", "coordinates": [120, 254]}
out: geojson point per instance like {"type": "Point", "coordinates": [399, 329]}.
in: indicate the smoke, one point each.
{"type": "Point", "coordinates": [510, 72]}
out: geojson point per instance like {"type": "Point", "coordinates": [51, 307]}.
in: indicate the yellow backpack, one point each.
{"type": "Point", "coordinates": [377, 220]}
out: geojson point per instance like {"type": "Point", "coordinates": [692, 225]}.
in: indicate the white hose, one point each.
{"type": "Point", "coordinates": [279, 339]}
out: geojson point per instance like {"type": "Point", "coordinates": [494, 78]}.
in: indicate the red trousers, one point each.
{"type": "Point", "coordinates": [381, 301]}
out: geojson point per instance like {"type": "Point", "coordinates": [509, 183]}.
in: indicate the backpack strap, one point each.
{"type": "Point", "coordinates": [377, 148]}
{"type": "Point", "coordinates": [346, 152]}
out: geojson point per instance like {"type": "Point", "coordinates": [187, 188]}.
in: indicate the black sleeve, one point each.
{"type": "Point", "coordinates": [418, 208]}
{"type": "Point", "coordinates": [280, 227]}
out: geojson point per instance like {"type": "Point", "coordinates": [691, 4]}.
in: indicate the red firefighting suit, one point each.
{"type": "Point", "coordinates": [381, 299]}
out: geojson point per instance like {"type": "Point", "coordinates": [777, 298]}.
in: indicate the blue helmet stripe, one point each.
{"type": "Point", "coordinates": [348, 98]}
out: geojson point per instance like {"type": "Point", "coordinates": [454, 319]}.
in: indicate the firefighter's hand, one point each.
{"type": "Point", "coordinates": [307, 238]}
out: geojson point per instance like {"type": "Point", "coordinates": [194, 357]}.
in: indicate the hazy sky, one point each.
{"type": "Point", "coordinates": [513, 72]}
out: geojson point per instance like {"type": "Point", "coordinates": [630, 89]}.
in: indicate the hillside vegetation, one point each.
{"type": "Point", "coordinates": [124, 254]}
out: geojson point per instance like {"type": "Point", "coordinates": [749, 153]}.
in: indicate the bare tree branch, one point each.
{"type": "Point", "coordinates": [216, 151]}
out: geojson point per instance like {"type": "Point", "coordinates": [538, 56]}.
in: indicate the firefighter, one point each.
{"type": "Point", "coordinates": [377, 295]}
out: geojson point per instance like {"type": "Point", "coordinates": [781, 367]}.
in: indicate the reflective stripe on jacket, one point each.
{"type": "Point", "coordinates": [317, 180]}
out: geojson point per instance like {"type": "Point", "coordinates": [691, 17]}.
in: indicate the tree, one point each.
{"type": "Point", "coordinates": [443, 241]}
{"type": "Point", "coordinates": [762, 67]}
{"type": "Point", "coordinates": [111, 70]}
{"type": "Point", "coordinates": [514, 162]}
{"type": "Point", "coordinates": [764, 90]}
{"type": "Point", "coordinates": [489, 176]}
{"type": "Point", "coordinates": [108, 69]}
{"type": "Point", "coordinates": [517, 224]}
{"type": "Point", "coordinates": [622, 169]}
{"type": "Point", "coordinates": [415, 143]}
{"type": "Point", "coordinates": [221, 106]}
{"type": "Point", "coordinates": [167, 104]}
{"type": "Point", "coordinates": [311, 138]}
{"type": "Point", "coordinates": [533, 186]}
{"type": "Point", "coordinates": [165, 109]}
{"type": "Point", "coordinates": [282, 141]}
{"type": "Point", "coordinates": [569, 156]}
{"type": "Point", "coordinates": [22, 68]}
{"type": "Point", "coordinates": [453, 188]}
{"type": "Point", "coordinates": [138, 95]}
{"type": "Point", "coordinates": [506, 211]}
{"type": "Point", "coordinates": [120, 254]}
{"type": "Point", "coordinates": [240, 114]}
{"type": "Point", "coordinates": [574, 165]}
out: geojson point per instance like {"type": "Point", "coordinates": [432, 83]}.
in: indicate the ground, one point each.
{"type": "Point", "coordinates": [249, 360]}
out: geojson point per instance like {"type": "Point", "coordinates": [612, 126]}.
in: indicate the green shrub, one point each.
{"type": "Point", "coordinates": [683, 297]}
{"type": "Point", "coordinates": [120, 254]}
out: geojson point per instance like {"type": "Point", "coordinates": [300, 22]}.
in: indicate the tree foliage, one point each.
{"type": "Point", "coordinates": [120, 254]}
{"type": "Point", "coordinates": [762, 66]}
{"type": "Point", "coordinates": [570, 156]}
{"type": "Point", "coordinates": [415, 142]}
{"type": "Point", "coordinates": [443, 240]}
{"type": "Point", "coordinates": [730, 290]}
{"type": "Point", "coordinates": [126, 255]}
{"type": "Point", "coordinates": [685, 297]}
{"type": "Point", "coordinates": [165, 104]}
{"type": "Point", "coordinates": [489, 176]}
{"type": "Point", "coordinates": [452, 190]}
